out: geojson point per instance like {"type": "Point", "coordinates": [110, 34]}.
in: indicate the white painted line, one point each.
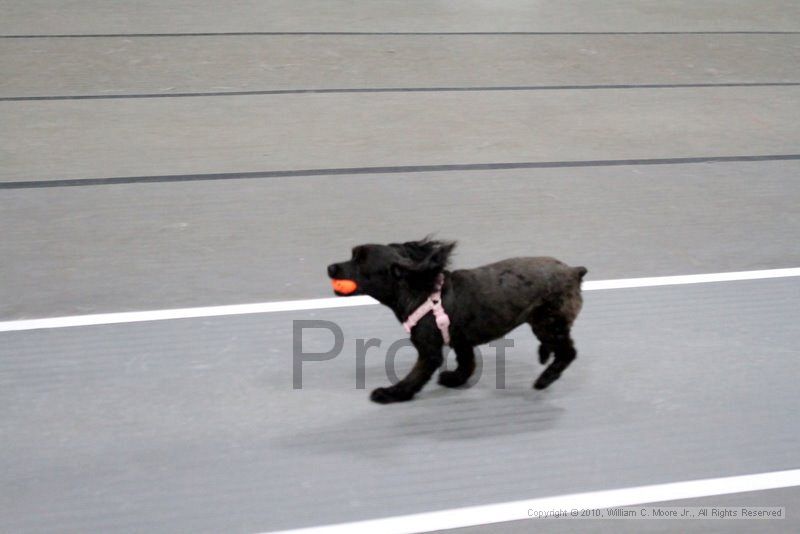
{"type": "Point", "coordinates": [346, 302]}
{"type": "Point", "coordinates": [516, 510]}
{"type": "Point", "coordinates": [690, 279]}
{"type": "Point", "coordinates": [184, 313]}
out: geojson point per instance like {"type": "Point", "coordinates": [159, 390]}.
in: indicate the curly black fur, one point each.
{"type": "Point", "coordinates": [484, 304]}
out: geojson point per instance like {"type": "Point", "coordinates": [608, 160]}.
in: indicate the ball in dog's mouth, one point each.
{"type": "Point", "coordinates": [344, 287]}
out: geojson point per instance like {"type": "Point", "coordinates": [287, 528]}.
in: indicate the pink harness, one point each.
{"type": "Point", "coordinates": [433, 303]}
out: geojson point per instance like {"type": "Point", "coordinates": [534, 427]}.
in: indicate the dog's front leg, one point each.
{"type": "Point", "coordinates": [429, 359]}
{"type": "Point", "coordinates": [465, 357]}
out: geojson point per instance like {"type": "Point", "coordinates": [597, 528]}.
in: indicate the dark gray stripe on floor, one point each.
{"type": "Point", "coordinates": [215, 34]}
{"type": "Point", "coordinates": [388, 170]}
{"type": "Point", "coordinates": [400, 90]}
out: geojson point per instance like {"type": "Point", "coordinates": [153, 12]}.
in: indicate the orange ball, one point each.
{"type": "Point", "coordinates": [345, 287]}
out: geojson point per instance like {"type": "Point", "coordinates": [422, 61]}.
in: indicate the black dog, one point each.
{"type": "Point", "coordinates": [483, 304]}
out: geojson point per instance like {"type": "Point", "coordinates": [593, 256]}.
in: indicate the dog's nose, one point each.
{"type": "Point", "coordinates": [332, 270]}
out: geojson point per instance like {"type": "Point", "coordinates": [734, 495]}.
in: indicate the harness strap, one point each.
{"type": "Point", "coordinates": [432, 303]}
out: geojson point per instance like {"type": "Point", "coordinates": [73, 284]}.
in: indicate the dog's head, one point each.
{"type": "Point", "coordinates": [382, 271]}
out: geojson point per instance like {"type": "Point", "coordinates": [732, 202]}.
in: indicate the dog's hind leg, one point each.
{"type": "Point", "coordinates": [565, 353]}
{"type": "Point", "coordinates": [545, 351]}
{"type": "Point", "coordinates": [539, 327]}
{"type": "Point", "coordinates": [552, 327]}
{"type": "Point", "coordinates": [465, 357]}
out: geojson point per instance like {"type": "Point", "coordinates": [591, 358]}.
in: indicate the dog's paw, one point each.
{"type": "Point", "coordinates": [390, 395]}
{"type": "Point", "coordinates": [544, 353]}
{"type": "Point", "coordinates": [545, 379]}
{"type": "Point", "coordinates": [452, 379]}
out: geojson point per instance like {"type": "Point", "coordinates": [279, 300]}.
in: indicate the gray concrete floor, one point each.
{"type": "Point", "coordinates": [762, 498]}
{"type": "Point", "coordinates": [168, 65]}
{"type": "Point", "coordinates": [192, 425]}
{"type": "Point", "coordinates": [151, 246]}
{"type": "Point", "coordinates": [154, 16]}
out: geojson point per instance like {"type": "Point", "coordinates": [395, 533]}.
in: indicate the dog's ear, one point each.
{"type": "Point", "coordinates": [401, 269]}
{"type": "Point", "coordinates": [439, 256]}
{"type": "Point", "coordinates": [423, 257]}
